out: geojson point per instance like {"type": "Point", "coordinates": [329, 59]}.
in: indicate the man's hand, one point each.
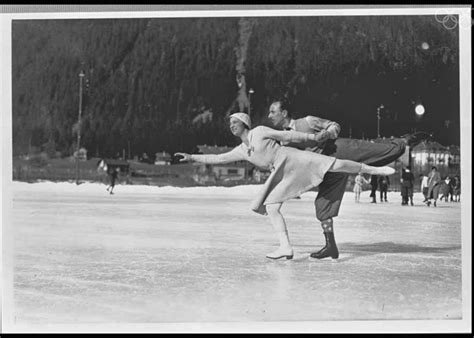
{"type": "Point", "coordinates": [322, 136]}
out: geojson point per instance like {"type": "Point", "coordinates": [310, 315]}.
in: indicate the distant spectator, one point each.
{"type": "Point", "coordinates": [113, 174]}
{"type": "Point", "coordinates": [434, 179]}
{"type": "Point", "coordinates": [407, 186]}
{"type": "Point", "coordinates": [444, 189]}
{"type": "Point", "coordinates": [424, 186]}
{"type": "Point", "coordinates": [373, 187]}
{"type": "Point", "coordinates": [359, 181]}
{"type": "Point", "coordinates": [451, 183]}
{"type": "Point", "coordinates": [457, 188]}
{"type": "Point", "coordinates": [384, 183]}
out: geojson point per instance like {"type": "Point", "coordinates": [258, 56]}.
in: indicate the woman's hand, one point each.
{"type": "Point", "coordinates": [185, 157]}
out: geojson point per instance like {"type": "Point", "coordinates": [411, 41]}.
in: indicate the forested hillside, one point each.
{"type": "Point", "coordinates": [146, 80]}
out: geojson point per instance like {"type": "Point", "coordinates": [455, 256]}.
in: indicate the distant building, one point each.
{"type": "Point", "coordinates": [81, 154]}
{"type": "Point", "coordinates": [260, 175]}
{"type": "Point", "coordinates": [212, 173]}
{"type": "Point", "coordinates": [144, 159]}
{"type": "Point", "coordinates": [454, 157]}
{"type": "Point", "coordinates": [424, 156]}
{"type": "Point", "coordinates": [162, 158]}
{"type": "Point", "coordinates": [432, 154]}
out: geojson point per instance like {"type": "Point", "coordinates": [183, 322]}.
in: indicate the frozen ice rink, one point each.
{"type": "Point", "coordinates": [168, 255]}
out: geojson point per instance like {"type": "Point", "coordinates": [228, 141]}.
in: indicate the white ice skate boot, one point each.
{"type": "Point", "coordinates": [379, 171]}
{"type": "Point", "coordinates": [281, 253]}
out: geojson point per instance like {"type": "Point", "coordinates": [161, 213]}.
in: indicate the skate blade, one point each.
{"type": "Point", "coordinates": [329, 259]}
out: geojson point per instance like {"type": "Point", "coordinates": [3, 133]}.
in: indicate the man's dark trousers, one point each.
{"type": "Point", "coordinates": [332, 189]}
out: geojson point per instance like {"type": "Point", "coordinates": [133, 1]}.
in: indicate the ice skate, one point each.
{"type": "Point", "coordinates": [329, 250]}
{"type": "Point", "coordinates": [415, 138]}
{"type": "Point", "coordinates": [380, 171]}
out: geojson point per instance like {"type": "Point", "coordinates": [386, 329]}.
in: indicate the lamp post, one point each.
{"type": "Point", "coordinates": [419, 112]}
{"type": "Point", "coordinates": [81, 77]}
{"type": "Point", "coordinates": [378, 120]}
{"type": "Point", "coordinates": [251, 91]}
{"type": "Point", "coordinates": [250, 100]}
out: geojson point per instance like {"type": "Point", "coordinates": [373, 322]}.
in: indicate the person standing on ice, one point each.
{"type": "Point", "coordinates": [113, 174]}
{"type": "Point", "coordinates": [457, 188]}
{"type": "Point", "coordinates": [384, 183]}
{"type": "Point", "coordinates": [293, 171]}
{"type": "Point", "coordinates": [327, 142]}
{"type": "Point", "coordinates": [434, 180]}
{"type": "Point", "coordinates": [358, 183]}
{"type": "Point", "coordinates": [407, 180]}
{"type": "Point", "coordinates": [424, 186]}
{"type": "Point", "coordinates": [374, 183]}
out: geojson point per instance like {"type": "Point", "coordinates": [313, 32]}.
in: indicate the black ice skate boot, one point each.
{"type": "Point", "coordinates": [329, 250]}
{"type": "Point", "coordinates": [415, 138]}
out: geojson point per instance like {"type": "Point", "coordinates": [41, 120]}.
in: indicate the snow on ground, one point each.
{"type": "Point", "coordinates": [165, 255]}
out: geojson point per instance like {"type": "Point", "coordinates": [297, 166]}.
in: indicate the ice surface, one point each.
{"type": "Point", "coordinates": [164, 254]}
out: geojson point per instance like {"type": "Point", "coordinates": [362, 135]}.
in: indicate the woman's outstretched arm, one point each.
{"type": "Point", "coordinates": [232, 156]}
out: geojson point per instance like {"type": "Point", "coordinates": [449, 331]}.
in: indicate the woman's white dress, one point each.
{"type": "Point", "coordinates": [293, 171]}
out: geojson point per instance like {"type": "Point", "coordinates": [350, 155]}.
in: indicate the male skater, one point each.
{"type": "Point", "coordinates": [331, 190]}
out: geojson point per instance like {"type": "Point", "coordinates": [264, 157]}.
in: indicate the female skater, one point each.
{"type": "Point", "coordinates": [293, 171]}
{"type": "Point", "coordinates": [358, 182]}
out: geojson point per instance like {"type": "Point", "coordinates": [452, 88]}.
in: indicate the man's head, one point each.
{"type": "Point", "coordinates": [278, 113]}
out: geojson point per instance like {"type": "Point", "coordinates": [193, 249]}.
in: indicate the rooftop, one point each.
{"type": "Point", "coordinates": [430, 145]}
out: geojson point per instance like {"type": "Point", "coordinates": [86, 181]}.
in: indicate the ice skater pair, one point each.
{"type": "Point", "coordinates": [293, 171]}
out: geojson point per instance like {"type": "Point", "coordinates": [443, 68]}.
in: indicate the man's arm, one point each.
{"type": "Point", "coordinates": [325, 129]}
{"type": "Point", "coordinates": [286, 136]}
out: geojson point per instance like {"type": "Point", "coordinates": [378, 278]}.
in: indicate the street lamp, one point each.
{"type": "Point", "coordinates": [81, 77]}
{"type": "Point", "coordinates": [419, 110]}
{"type": "Point", "coordinates": [378, 120]}
{"type": "Point", "coordinates": [250, 99]}
{"type": "Point", "coordinates": [251, 91]}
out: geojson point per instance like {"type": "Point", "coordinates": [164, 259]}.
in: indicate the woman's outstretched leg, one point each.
{"type": "Point", "coordinates": [279, 226]}
{"type": "Point", "coordinates": [351, 167]}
